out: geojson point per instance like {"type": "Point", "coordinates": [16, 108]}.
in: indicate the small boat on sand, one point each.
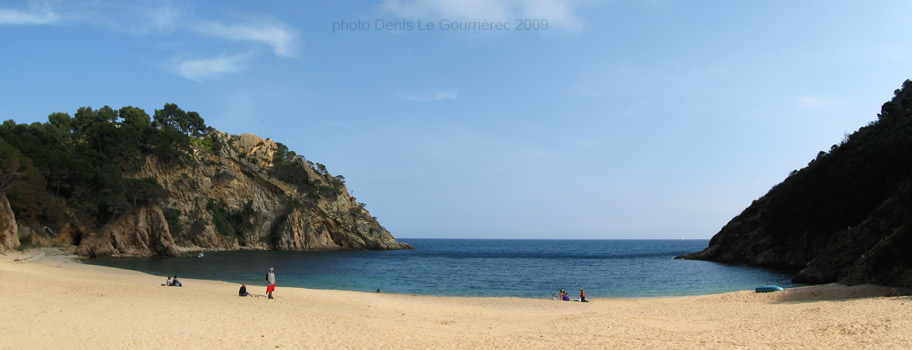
{"type": "Point", "coordinates": [768, 289]}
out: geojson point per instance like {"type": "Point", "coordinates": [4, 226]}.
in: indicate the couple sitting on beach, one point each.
{"type": "Point", "coordinates": [172, 282]}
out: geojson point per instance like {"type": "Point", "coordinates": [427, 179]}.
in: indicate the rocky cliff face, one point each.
{"type": "Point", "coordinates": [233, 192]}
{"type": "Point", "coordinates": [9, 230]}
{"type": "Point", "coordinates": [141, 233]}
{"type": "Point", "coordinates": [236, 183]}
{"type": "Point", "coordinates": [846, 217]}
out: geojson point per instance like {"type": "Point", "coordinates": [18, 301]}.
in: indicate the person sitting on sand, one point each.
{"type": "Point", "coordinates": [566, 296]}
{"type": "Point", "coordinates": [243, 291]}
{"type": "Point", "coordinates": [168, 282]}
{"type": "Point", "coordinates": [554, 296]}
{"type": "Point", "coordinates": [583, 296]}
{"type": "Point", "coordinates": [176, 283]}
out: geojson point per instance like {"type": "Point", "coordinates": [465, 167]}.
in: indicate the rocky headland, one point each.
{"type": "Point", "coordinates": [846, 217]}
{"type": "Point", "coordinates": [176, 189]}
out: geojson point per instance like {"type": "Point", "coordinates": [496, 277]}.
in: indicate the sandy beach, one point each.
{"type": "Point", "coordinates": [49, 301]}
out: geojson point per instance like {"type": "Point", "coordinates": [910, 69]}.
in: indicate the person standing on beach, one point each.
{"type": "Point", "coordinates": [270, 282]}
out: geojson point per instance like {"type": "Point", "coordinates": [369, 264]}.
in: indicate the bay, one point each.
{"type": "Point", "coordinates": [479, 268]}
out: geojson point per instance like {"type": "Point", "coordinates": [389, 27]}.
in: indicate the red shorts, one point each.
{"type": "Point", "coordinates": [270, 288]}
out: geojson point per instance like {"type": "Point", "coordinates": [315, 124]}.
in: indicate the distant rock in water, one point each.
{"type": "Point", "coordinates": [119, 183]}
{"type": "Point", "coordinates": [846, 217]}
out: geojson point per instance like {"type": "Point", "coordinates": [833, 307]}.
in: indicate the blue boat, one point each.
{"type": "Point", "coordinates": [767, 289]}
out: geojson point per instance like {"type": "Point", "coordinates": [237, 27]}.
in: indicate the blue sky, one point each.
{"type": "Point", "coordinates": [622, 119]}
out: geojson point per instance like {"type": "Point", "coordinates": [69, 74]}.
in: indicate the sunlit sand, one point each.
{"type": "Point", "coordinates": [49, 301]}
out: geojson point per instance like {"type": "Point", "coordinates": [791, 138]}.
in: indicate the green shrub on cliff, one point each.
{"type": "Point", "coordinates": [9, 166]}
{"type": "Point", "coordinates": [295, 174]}
{"type": "Point", "coordinates": [232, 223]}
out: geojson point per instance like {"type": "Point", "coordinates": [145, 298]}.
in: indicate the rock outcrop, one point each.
{"type": "Point", "coordinates": [846, 217]}
{"type": "Point", "coordinates": [232, 198]}
{"type": "Point", "coordinates": [143, 232]}
{"type": "Point", "coordinates": [876, 247]}
{"type": "Point", "coordinates": [9, 229]}
{"type": "Point", "coordinates": [298, 231]}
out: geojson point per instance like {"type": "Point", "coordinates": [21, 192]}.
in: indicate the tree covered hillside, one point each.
{"type": "Point", "coordinates": [845, 211]}
{"type": "Point", "coordinates": [79, 161]}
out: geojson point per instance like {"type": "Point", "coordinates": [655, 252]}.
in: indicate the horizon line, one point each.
{"type": "Point", "coordinates": [564, 239]}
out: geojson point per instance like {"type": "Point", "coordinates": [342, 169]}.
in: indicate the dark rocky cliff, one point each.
{"type": "Point", "coordinates": [846, 217]}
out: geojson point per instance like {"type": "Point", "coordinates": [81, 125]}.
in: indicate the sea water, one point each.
{"type": "Point", "coordinates": [479, 268]}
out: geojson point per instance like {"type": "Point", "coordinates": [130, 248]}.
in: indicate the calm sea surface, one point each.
{"type": "Point", "coordinates": [462, 267]}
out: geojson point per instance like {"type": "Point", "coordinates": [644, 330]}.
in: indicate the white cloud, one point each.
{"type": "Point", "coordinates": [38, 13]}
{"type": "Point", "coordinates": [434, 96]}
{"type": "Point", "coordinates": [159, 24]}
{"type": "Point", "coordinates": [817, 102]}
{"type": "Point", "coordinates": [474, 9]}
{"type": "Point", "coordinates": [559, 13]}
{"type": "Point", "coordinates": [205, 69]}
{"type": "Point", "coordinates": [161, 19]}
{"type": "Point", "coordinates": [267, 30]}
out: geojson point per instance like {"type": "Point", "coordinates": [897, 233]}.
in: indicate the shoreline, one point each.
{"type": "Point", "coordinates": [481, 268]}
{"type": "Point", "coordinates": [81, 259]}
{"type": "Point", "coordinates": [869, 291]}
{"type": "Point", "coordinates": [52, 301]}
